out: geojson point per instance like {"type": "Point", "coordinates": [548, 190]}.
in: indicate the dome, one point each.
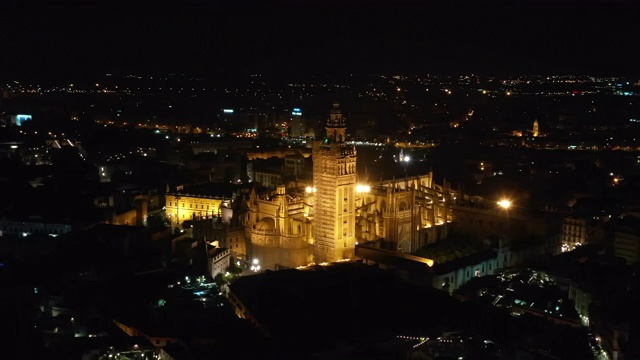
{"type": "Point", "coordinates": [266, 224]}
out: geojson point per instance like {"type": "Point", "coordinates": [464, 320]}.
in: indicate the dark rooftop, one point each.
{"type": "Point", "coordinates": [296, 307]}
{"type": "Point", "coordinates": [471, 259]}
{"type": "Point", "coordinates": [110, 230]}
{"type": "Point", "coordinates": [393, 258]}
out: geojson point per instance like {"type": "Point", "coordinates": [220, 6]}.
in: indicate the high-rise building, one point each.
{"type": "Point", "coordinates": [297, 127]}
{"type": "Point", "coordinates": [535, 129]}
{"type": "Point", "coordinates": [334, 181]}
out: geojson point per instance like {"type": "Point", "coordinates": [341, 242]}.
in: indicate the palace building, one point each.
{"type": "Point", "coordinates": [203, 201]}
{"type": "Point", "coordinates": [182, 207]}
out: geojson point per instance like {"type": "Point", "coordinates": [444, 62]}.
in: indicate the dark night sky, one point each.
{"type": "Point", "coordinates": [82, 37]}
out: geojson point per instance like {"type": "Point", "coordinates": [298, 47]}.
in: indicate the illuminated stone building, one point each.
{"type": "Point", "coordinates": [279, 230]}
{"type": "Point", "coordinates": [335, 213]}
{"type": "Point", "coordinates": [215, 213]}
{"type": "Point", "coordinates": [322, 218]}
{"type": "Point", "coordinates": [334, 181]}
{"type": "Point", "coordinates": [201, 201]}
{"type": "Point", "coordinates": [229, 235]}
{"type": "Point", "coordinates": [574, 233]}
{"type": "Point", "coordinates": [407, 214]}
{"type": "Point", "coordinates": [182, 207]}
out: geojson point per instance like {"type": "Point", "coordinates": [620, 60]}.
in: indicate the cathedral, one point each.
{"type": "Point", "coordinates": [404, 215]}
{"type": "Point", "coordinates": [279, 229]}
{"type": "Point", "coordinates": [335, 213]}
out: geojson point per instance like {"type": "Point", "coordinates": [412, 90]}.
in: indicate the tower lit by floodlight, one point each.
{"type": "Point", "coordinates": [334, 180]}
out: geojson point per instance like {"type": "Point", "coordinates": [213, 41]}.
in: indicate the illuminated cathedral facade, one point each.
{"type": "Point", "coordinates": [279, 229]}
{"type": "Point", "coordinates": [405, 214]}
{"type": "Point", "coordinates": [335, 213]}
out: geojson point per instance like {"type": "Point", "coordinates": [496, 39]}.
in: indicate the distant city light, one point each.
{"type": "Point", "coordinates": [227, 111]}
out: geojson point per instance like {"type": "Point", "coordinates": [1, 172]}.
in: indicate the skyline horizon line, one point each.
{"type": "Point", "coordinates": [208, 75]}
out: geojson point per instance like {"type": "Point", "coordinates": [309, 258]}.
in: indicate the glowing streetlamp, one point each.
{"type": "Point", "coordinates": [505, 204]}
{"type": "Point", "coordinates": [363, 188]}
{"type": "Point", "coordinates": [255, 265]}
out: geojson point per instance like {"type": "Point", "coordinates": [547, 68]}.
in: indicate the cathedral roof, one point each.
{"type": "Point", "coordinates": [266, 224]}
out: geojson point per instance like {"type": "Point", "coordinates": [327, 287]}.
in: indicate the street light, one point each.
{"type": "Point", "coordinates": [255, 265]}
{"type": "Point", "coordinates": [505, 204]}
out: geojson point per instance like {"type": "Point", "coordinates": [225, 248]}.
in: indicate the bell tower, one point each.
{"type": "Point", "coordinates": [336, 128]}
{"type": "Point", "coordinates": [334, 180]}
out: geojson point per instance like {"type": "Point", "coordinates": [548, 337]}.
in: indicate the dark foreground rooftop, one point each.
{"type": "Point", "coordinates": [311, 309]}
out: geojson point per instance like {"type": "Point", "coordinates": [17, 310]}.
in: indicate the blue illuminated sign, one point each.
{"type": "Point", "coordinates": [20, 118]}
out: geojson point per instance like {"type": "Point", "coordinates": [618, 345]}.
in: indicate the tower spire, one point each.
{"type": "Point", "coordinates": [336, 127]}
